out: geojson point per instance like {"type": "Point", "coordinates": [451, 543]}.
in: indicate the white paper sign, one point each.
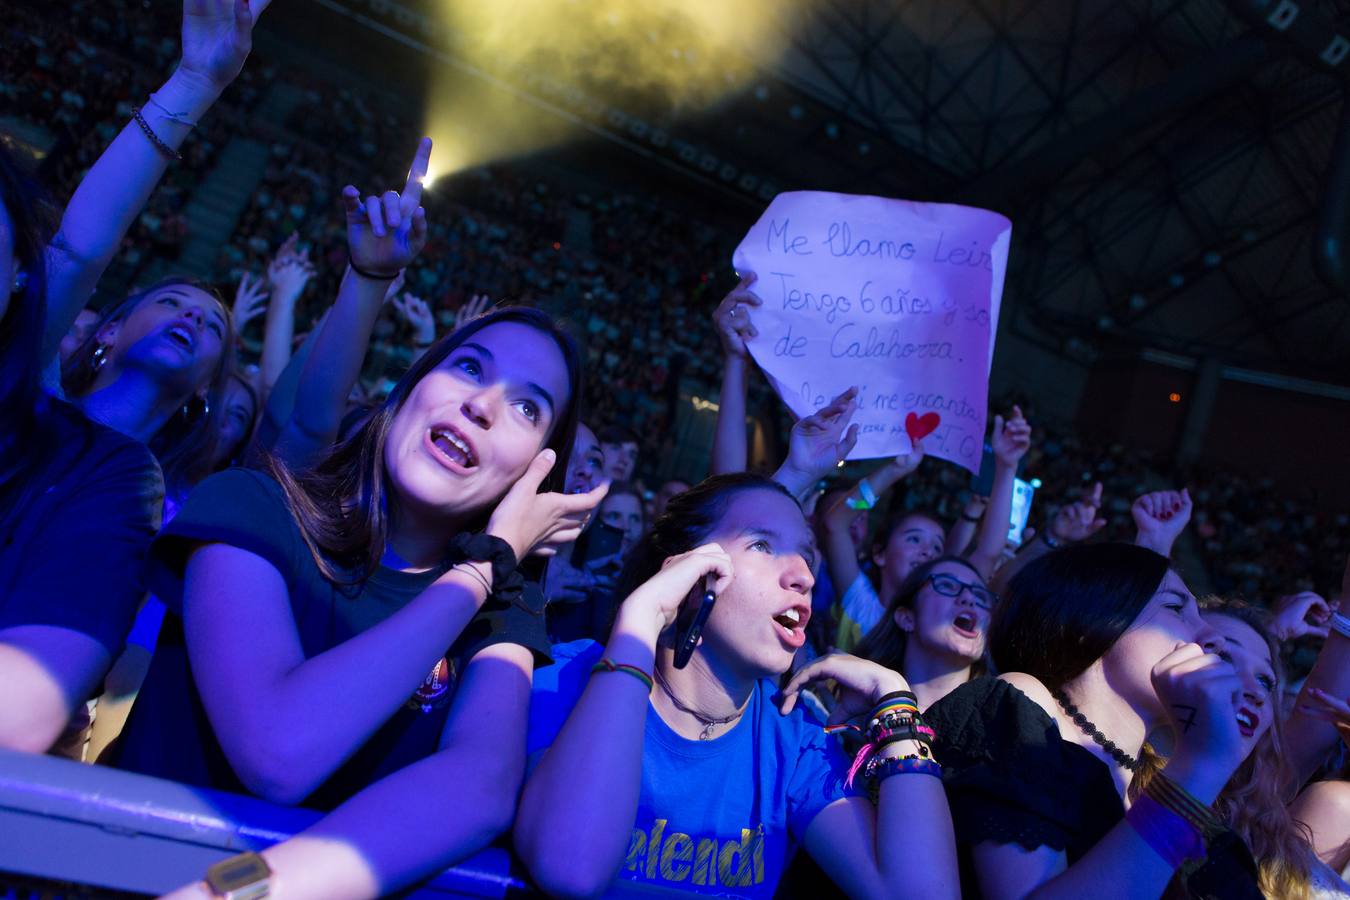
{"type": "Point", "coordinates": [898, 298]}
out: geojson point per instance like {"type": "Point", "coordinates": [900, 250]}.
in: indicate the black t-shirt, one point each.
{"type": "Point", "coordinates": [1011, 779]}
{"type": "Point", "coordinates": [75, 533]}
{"type": "Point", "coordinates": [168, 733]}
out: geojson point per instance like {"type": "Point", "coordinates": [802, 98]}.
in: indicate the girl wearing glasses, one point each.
{"type": "Point", "coordinates": [934, 628]}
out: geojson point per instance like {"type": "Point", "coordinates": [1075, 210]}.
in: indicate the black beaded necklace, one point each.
{"type": "Point", "coordinates": [1091, 731]}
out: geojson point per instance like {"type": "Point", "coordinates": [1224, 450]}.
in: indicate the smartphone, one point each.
{"type": "Point", "coordinates": [1021, 510]}
{"type": "Point", "coordinates": [596, 542]}
{"type": "Point", "coordinates": [703, 595]}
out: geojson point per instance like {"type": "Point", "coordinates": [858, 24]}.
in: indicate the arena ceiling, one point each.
{"type": "Point", "coordinates": [1164, 161]}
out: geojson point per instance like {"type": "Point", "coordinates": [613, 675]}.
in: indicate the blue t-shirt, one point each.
{"type": "Point", "coordinates": [720, 817]}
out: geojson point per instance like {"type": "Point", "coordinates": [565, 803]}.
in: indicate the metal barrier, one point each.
{"type": "Point", "coordinates": [92, 825]}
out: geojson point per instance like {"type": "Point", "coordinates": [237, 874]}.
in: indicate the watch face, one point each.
{"type": "Point", "coordinates": [236, 872]}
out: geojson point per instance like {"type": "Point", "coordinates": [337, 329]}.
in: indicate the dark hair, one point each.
{"type": "Point", "coordinates": [186, 445]}
{"type": "Point", "coordinates": [886, 642]}
{"type": "Point", "coordinates": [617, 434]}
{"type": "Point", "coordinates": [619, 488]}
{"type": "Point", "coordinates": [232, 456]}
{"type": "Point", "coordinates": [882, 537]}
{"type": "Point", "coordinates": [688, 520]}
{"type": "Point", "coordinates": [1064, 611]}
{"type": "Point", "coordinates": [21, 329]}
{"type": "Point", "coordinates": [341, 503]}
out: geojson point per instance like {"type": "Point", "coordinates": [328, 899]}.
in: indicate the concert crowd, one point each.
{"type": "Point", "coordinates": [378, 520]}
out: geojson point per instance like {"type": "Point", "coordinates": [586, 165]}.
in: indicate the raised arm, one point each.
{"type": "Point", "coordinates": [384, 234]}
{"type": "Point", "coordinates": [1072, 523]}
{"type": "Point", "coordinates": [962, 531]}
{"type": "Point", "coordinates": [1160, 518]}
{"type": "Point", "coordinates": [287, 276]}
{"type": "Point", "coordinates": [217, 37]}
{"type": "Point", "coordinates": [258, 687]}
{"type": "Point", "coordinates": [1010, 440]}
{"type": "Point", "coordinates": [818, 443]}
{"type": "Point", "coordinates": [379, 840]}
{"type": "Point", "coordinates": [415, 311]}
{"type": "Point", "coordinates": [734, 327]}
{"type": "Point", "coordinates": [840, 554]}
{"type": "Point", "coordinates": [587, 783]}
{"type": "Point", "coordinates": [1311, 734]}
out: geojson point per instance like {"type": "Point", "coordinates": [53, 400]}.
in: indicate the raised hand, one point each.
{"type": "Point", "coordinates": [532, 522]}
{"type": "Point", "coordinates": [654, 605]}
{"type": "Point", "coordinates": [385, 234]}
{"type": "Point", "coordinates": [821, 440]}
{"type": "Point", "coordinates": [1197, 690]}
{"type": "Point", "coordinates": [250, 301]}
{"type": "Point", "coordinates": [475, 307]}
{"type": "Point", "coordinates": [906, 463]}
{"type": "Point", "coordinates": [732, 318]}
{"type": "Point", "coordinates": [217, 37]}
{"type": "Point", "coordinates": [418, 315]}
{"type": "Point", "coordinates": [1079, 521]}
{"type": "Point", "coordinates": [1321, 705]}
{"type": "Point", "coordinates": [1301, 615]}
{"type": "Point", "coordinates": [861, 684]}
{"type": "Point", "coordinates": [1161, 517]}
{"type": "Point", "coordinates": [1011, 438]}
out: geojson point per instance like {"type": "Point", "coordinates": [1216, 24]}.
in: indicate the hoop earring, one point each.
{"type": "Point", "coordinates": [205, 410]}
{"type": "Point", "coordinates": [100, 356]}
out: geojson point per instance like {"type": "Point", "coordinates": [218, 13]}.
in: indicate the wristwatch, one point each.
{"type": "Point", "coordinates": [243, 877]}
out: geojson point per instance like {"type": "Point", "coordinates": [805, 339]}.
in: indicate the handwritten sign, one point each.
{"type": "Point", "coordinates": [898, 298]}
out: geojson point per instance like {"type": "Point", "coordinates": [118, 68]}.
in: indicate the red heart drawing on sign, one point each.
{"type": "Point", "coordinates": [919, 426]}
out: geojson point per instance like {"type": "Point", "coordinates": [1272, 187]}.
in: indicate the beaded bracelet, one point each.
{"type": "Point", "coordinates": [163, 148]}
{"type": "Point", "coordinates": [882, 768]}
{"type": "Point", "coordinates": [608, 665]}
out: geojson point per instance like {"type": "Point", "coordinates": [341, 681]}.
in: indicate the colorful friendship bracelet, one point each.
{"type": "Point", "coordinates": [1175, 798]}
{"type": "Point", "coordinates": [868, 497]}
{"type": "Point", "coordinates": [608, 665]}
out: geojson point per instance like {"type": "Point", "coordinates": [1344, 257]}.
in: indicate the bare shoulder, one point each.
{"type": "Point", "coordinates": [1034, 689]}
{"type": "Point", "coordinates": [1325, 798]}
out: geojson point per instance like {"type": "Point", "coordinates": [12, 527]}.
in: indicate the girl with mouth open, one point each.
{"type": "Point", "coordinates": [702, 778]}
{"type": "Point", "coordinates": [910, 539]}
{"type": "Point", "coordinates": [1100, 646]}
{"type": "Point", "coordinates": [355, 634]}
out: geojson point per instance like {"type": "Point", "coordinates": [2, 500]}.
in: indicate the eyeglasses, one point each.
{"type": "Point", "coordinates": [951, 586]}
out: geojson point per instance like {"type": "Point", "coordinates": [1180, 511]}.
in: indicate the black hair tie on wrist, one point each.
{"type": "Point", "coordinates": [373, 276]}
{"type": "Point", "coordinates": [507, 582]}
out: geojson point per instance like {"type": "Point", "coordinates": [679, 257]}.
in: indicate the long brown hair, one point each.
{"type": "Point", "coordinates": [341, 501]}
{"type": "Point", "coordinates": [186, 445]}
{"type": "Point", "coordinates": [1255, 801]}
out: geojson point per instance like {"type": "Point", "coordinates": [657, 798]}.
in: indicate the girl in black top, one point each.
{"type": "Point", "coordinates": [1099, 645]}
{"type": "Point", "coordinates": [328, 627]}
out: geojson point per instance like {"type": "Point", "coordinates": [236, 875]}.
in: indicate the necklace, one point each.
{"type": "Point", "coordinates": [1091, 731]}
{"type": "Point", "coordinates": [707, 723]}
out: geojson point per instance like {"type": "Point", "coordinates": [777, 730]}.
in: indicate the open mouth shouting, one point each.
{"type": "Point", "coordinates": [182, 336]}
{"type": "Point", "coordinates": [967, 625]}
{"type": "Point", "coordinates": [451, 448]}
{"type": "Point", "coordinates": [791, 624]}
{"type": "Point", "coordinates": [1248, 721]}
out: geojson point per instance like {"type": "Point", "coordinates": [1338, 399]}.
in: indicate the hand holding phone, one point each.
{"type": "Point", "coordinates": [689, 636]}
